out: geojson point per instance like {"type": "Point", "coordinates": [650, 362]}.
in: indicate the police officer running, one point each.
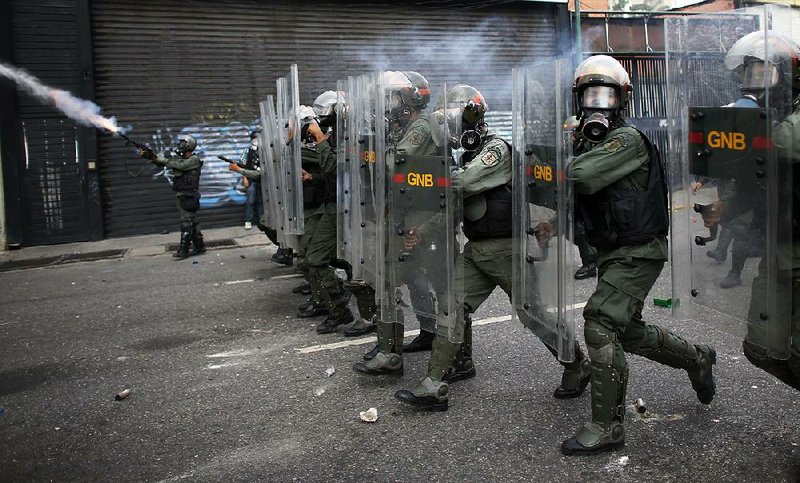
{"type": "Point", "coordinates": [622, 199]}
{"type": "Point", "coordinates": [485, 183]}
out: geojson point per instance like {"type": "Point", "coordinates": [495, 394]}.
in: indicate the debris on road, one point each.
{"type": "Point", "coordinates": [369, 416]}
{"type": "Point", "coordinates": [640, 406]}
{"type": "Point", "coordinates": [122, 394]}
{"type": "Point", "coordinates": [320, 391]}
{"type": "Point", "coordinates": [330, 371]}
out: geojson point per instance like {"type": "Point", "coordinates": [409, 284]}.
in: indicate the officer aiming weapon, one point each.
{"type": "Point", "coordinates": [151, 155]}
{"type": "Point", "coordinates": [231, 161]}
{"type": "Point", "coordinates": [145, 151]}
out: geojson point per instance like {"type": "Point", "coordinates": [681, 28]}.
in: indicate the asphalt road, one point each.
{"type": "Point", "coordinates": [226, 385]}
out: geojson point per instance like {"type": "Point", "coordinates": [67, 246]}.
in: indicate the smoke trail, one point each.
{"type": "Point", "coordinates": [84, 112]}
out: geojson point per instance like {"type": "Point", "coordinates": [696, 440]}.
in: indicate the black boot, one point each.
{"type": "Point", "coordinates": [586, 271]}
{"type": "Point", "coordinates": [422, 342]}
{"type": "Point", "coordinates": [186, 239]}
{"type": "Point", "coordinates": [575, 377]}
{"type": "Point", "coordinates": [312, 309]}
{"type": "Point", "coordinates": [284, 256]}
{"type": "Point", "coordinates": [328, 326]}
{"type": "Point", "coordinates": [199, 247]}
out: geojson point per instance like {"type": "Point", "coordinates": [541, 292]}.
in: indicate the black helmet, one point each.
{"type": "Point", "coordinates": [766, 61]}
{"type": "Point", "coordinates": [419, 95]}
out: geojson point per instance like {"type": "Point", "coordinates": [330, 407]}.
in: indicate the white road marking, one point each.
{"type": "Point", "coordinates": [408, 333]}
{"type": "Point", "coordinates": [220, 366]}
{"type": "Point", "coordinates": [239, 353]}
{"type": "Point", "coordinates": [281, 277]}
{"type": "Point", "coordinates": [236, 282]}
{"type": "Point", "coordinates": [347, 343]}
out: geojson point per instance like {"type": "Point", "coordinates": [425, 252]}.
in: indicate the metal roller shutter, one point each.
{"type": "Point", "coordinates": [201, 67]}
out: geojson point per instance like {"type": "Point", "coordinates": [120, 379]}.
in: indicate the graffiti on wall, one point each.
{"type": "Point", "coordinates": [218, 186]}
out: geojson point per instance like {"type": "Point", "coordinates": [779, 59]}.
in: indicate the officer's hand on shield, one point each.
{"type": "Point", "coordinates": [695, 186]}
{"type": "Point", "coordinates": [711, 214]}
{"type": "Point", "coordinates": [234, 167]}
{"type": "Point", "coordinates": [306, 175]}
{"type": "Point", "coordinates": [412, 239]}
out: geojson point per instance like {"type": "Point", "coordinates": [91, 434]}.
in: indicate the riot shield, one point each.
{"type": "Point", "coordinates": [267, 162]}
{"type": "Point", "coordinates": [288, 108]}
{"type": "Point", "coordinates": [362, 188]}
{"type": "Point", "coordinates": [731, 190]}
{"type": "Point", "coordinates": [345, 171]}
{"type": "Point", "coordinates": [543, 294]}
{"type": "Point", "coordinates": [421, 221]}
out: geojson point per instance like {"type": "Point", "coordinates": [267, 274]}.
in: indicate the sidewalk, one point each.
{"type": "Point", "coordinates": [135, 246]}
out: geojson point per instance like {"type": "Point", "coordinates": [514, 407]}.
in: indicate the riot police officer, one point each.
{"type": "Point", "coordinates": [621, 198]}
{"type": "Point", "coordinates": [319, 240]}
{"type": "Point", "coordinates": [484, 180]}
{"type": "Point", "coordinates": [768, 68]}
{"type": "Point", "coordinates": [409, 94]}
{"type": "Point", "coordinates": [186, 185]}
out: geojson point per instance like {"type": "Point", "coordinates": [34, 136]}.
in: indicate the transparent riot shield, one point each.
{"type": "Point", "coordinates": [731, 158]}
{"type": "Point", "coordinates": [361, 185]}
{"type": "Point", "coordinates": [344, 174]}
{"type": "Point", "coordinates": [422, 220]}
{"type": "Point", "coordinates": [267, 162]}
{"type": "Point", "coordinates": [288, 108]}
{"type": "Point", "coordinates": [273, 181]}
{"type": "Point", "coordinates": [543, 294]}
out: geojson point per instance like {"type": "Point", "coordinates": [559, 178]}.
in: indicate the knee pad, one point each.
{"type": "Point", "coordinates": [600, 342]}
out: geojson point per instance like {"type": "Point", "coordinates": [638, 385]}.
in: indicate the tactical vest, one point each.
{"type": "Point", "coordinates": [189, 180]}
{"type": "Point", "coordinates": [619, 217]}
{"type": "Point", "coordinates": [313, 191]}
{"type": "Point", "coordinates": [497, 221]}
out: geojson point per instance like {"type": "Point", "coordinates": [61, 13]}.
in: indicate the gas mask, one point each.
{"type": "Point", "coordinates": [397, 113]}
{"type": "Point", "coordinates": [598, 104]}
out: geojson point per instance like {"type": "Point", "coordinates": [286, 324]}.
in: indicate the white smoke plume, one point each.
{"type": "Point", "coordinates": [84, 112]}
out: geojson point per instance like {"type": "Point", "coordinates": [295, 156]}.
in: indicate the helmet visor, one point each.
{"type": "Point", "coordinates": [599, 97]}
{"type": "Point", "coordinates": [760, 75]}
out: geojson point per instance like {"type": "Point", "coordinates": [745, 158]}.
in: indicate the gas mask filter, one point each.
{"type": "Point", "coordinates": [470, 140]}
{"type": "Point", "coordinates": [595, 127]}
